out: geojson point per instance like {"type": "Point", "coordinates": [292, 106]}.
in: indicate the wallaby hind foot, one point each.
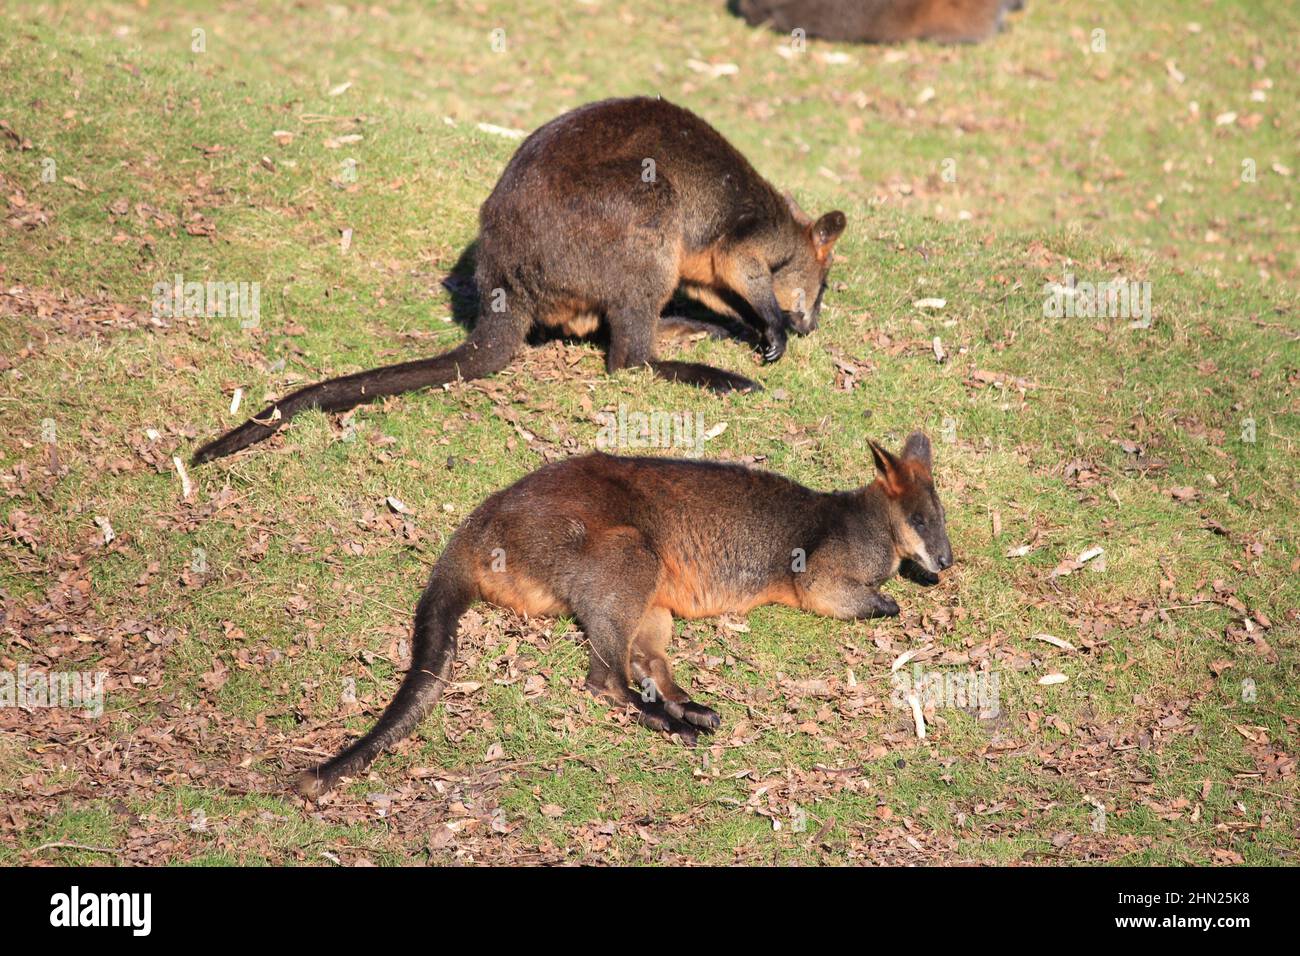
{"type": "Point", "coordinates": [657, 715]}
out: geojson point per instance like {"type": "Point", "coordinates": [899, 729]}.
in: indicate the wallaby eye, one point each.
{"type": "Point", "coordinates": [918, 522]}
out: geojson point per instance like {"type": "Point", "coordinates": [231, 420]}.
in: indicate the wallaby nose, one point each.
{"type": "Point", "coordinates": [945, 561]}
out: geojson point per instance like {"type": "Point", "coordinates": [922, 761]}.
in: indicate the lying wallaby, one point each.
{"type": "Point", "coordinates": [601, 215]}
{"type": "Point", "coordinates": [623, 544]}
{"type": "Point", "coordinates": [882, 21]}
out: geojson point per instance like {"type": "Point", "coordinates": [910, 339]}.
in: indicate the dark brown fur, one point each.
{"type": "Point", "coordinates": [882, 21]}
{"type": "Point", "coordinates": [581, 229]}
{"type": "Point", "coordinates": [626, 544]}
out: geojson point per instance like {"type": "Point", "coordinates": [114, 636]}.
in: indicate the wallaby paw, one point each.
{"type": "Point", "coordinates": [773, 348]}
{"type": "Point", "coordinates": [885, 606]}
{"type": "Point", "coordinates": [917, 574]}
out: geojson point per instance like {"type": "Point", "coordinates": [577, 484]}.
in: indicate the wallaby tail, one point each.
{"type": "Point", "coordinates": [433, 650]}
{"type": "Point", "coordinates": [481, 354]}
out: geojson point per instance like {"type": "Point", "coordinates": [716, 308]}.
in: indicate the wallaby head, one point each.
{"type": "Point", "coordinates": [916, 516]}
{"type": "Point", "coordinates": [799, 273]}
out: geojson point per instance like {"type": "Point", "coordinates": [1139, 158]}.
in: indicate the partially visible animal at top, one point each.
{"type": "Point", "coordinates": [882, 21]}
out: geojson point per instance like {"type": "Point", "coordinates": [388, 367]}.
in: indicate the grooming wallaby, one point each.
{"type": "Point", "coordinates": [882, 21]}
{"type": "Point", "coordinates": [601, 215]}
{"type": "Point", "coordinates": [624, 544]}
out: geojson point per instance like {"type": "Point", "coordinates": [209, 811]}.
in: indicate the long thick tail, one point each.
{"type": "Point", "coordinates": [433, 650]}
{"type": "Point", "coordinates": [487, 350]}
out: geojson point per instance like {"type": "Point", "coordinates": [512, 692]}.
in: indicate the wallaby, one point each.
{"type": "Point", "coordinates": [624, 544]}
{"type": "Point", "coordinates": [882, 21]}
{"type": "Point", "coordinates": [602, 214]}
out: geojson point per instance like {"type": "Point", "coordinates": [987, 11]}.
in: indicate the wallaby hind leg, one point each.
{"type": "Point", "coordinates": [611, 594]}
{"type": "Point", "coordinates": [632, 334]}
{"type": "Point", "coordinates": [652, 673]}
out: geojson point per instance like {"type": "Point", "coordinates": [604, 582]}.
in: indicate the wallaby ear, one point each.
{"type": "Point", "coordinates": [888, 468]}
{"type": "Point", "coordinates": [826, 230]}
{"type": "Point", "coordinates": [917, 448]}
{"type": "Point", "coordinates": [801, 217]}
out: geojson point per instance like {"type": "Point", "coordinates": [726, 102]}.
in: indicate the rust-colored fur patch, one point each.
{"type": "Point", "coordinates": [687, 594]}
{"type": "Point", "coordinates": [700, 267]}
{"type": "Point", "coordinates": [520, 593]}
{"type": "Point", "coordinates": [573, 318]}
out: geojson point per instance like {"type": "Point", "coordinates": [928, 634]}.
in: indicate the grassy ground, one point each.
{"type": "Point", "coordinates": [254, 627]}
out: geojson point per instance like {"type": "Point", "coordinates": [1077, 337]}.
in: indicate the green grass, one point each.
{"type": "Point", "coordinates": [222, 683]}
